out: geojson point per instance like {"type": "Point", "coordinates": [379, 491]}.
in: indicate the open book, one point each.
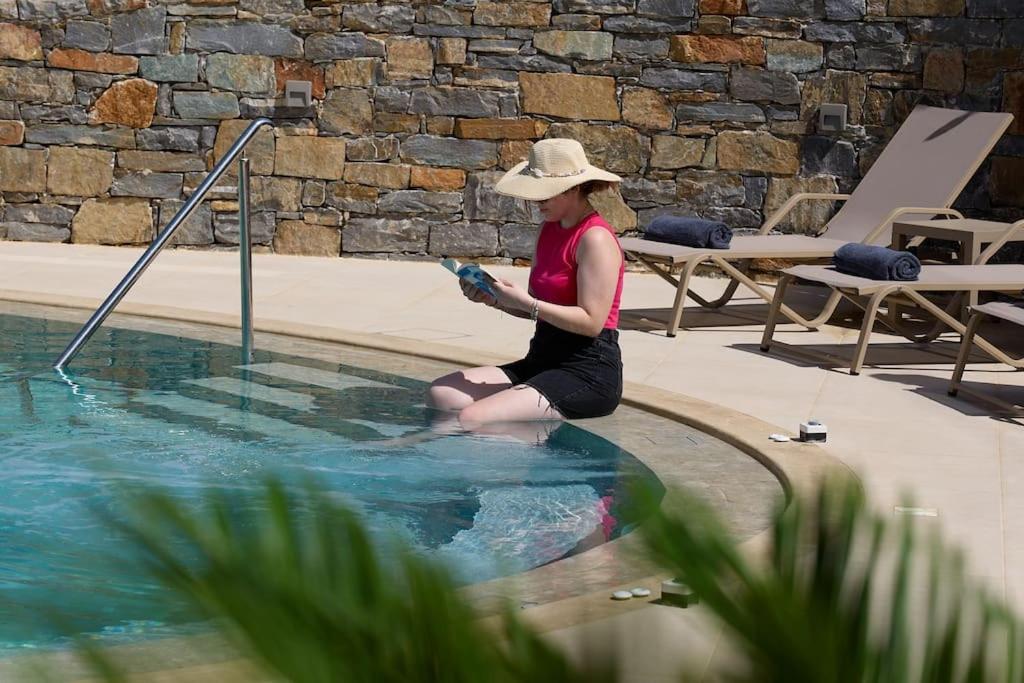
{"type": "Point", "coordinates": [476, 275]}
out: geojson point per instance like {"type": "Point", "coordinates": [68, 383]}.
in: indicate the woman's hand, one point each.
{"type": "Point", "coordinates": [475, 294]}
{"type": "Point", "coordinates": [512, 296]}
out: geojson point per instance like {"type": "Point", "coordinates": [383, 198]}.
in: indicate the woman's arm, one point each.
{"type": "Point", "coordinates": [598, 259]}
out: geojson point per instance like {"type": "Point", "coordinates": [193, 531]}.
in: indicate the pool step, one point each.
{"type": "Point", "coordinates": [319, 378]}
{"type": "Point", "coordinates": [253, 390]}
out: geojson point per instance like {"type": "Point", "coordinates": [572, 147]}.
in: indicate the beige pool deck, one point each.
{"type": "Point", "coordinates": [961, 459]}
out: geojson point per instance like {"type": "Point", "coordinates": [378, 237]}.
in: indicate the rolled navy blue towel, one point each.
{"type": "Point", "coordinates": [877, 263]}
{"type": "Point", "coordinates": [688, 231]}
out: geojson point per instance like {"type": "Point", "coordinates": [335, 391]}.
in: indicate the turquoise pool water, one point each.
{"type": "Point", "coordinates": [139, 407]}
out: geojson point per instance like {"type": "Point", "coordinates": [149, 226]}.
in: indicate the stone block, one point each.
{"type": "Point", "coordinates": [12, 132]}
{"type": "Point", "coordinates": [298, 238]}
{"type": "Point", "coordinates": [760, 85]}
{"type": "Point", "coordinates": [643, 25]}
{"type": "Point", "coordinates": [794, 56]}
{"type": "Point", "coordinates": [54, 214]}
{"type": "Point", "coordinates": [807, 217]}
{"type": "Point", "coordinates": [889, 58]}
{"type": "Point", "coordinates": [697, 190]}
{"type": "Point", "coordinates": [170, 138]}
{"type": "Point", "coordinates": [614, 210]}
{"type": "Point", "coordinates": [206, 105]}
{"type": "Point", "coordinates": [821, 155]}
{"type": "Point", "coordinates": [253, 74]}
{"type": "Point", "coordinates": [1007, 189]}
{"type": "Point", "coordinates": [926, 8]}
{"type": "Point", "coordinates": [140, 32]}
{"type": "Point", "coordinates": [789, 9]}
{"type": "Point", "coordinates": [769, 28]}
{"type": "Point", "coordinates": [854, 32]}
{"type": "Point", "coordinates": [640, 48]}
{"type": "Point", "coordinates": [430, 150]}
{"type": "Point", "coordinates": [323, 47]}
{"type": "Point", "coordinates": [105, 7]}
{"type": "Point", "coordinates": [143, 184]}
{"type": "Point", "coordinates": [642, 193]}
{"type": "Point", "coordinates": [661, 9]}
{"type": "Point", "coordinates": [463, 239]}
{"type": "Point", "coordinates": [714, 25]}
{"type": "Point", "coordinates": [438, 204]}
{"type": "Point", "coordinates": [646, 109]}
{"type": "Point", "coordinates": [22, 170]}
{"type": "Point", "coordinates": [957, 31]}
{"type": "Point", "coordinates": [618, 149]}
{"type": "Point", "coordinates": [944, 70]}
{"type": "Point", "coordinates": [371, 149]}
{"type": "Point", "coordinates": [276, 194]}
{"type": "Point", "coordinates": [372, 18]}
{"type": "Point", "coordinates": [409, 58]}
{"type": "Point", "coordinates": [1013, 100]}
{"type": "Point", "coordinates": [437, 179]}
{"type": "Point", "coordinates": [451, 101]}
{"type": "Point", "coordinates": [310, 157]}
{"type": "Point", "coordinates": [352, 72]}
{"type": "Point", "coordinates": [79, 172]}
{"type": "Point", "coordinates": [996, 9]}
{"type": "Point", "coordinates": [669, 151]}
{"type": "Point", "coordinates": [569, 96]}
{"type": "Point", "coordinates": [595, 6]}
{"type": "Point", "coordinates": [517, 14]}
{"type": "Point", "coordinates": [20, 42]}
{"type": "Point", "coordinates": [720, 111]}
{"type": "Point", "coordinates": [717, 49]}
{"type": "Point", "coordinates": [757, 151]}
{"type": "Point", "coordinates": [390, 176]}
{"type": "Point", "coordinates": [845, 10]}
{"type": "Point", "coordinates": [387, 122]}
{"type": "Point", "coordinates": [592, 45]}
{"type": "Point", "coordinates": [296, 70]}
{"type": "Point", "coordinates": [59, 134]}
{"type": "Point", "coordinates": [848, 87]}
{"type": "Point", "coordinates": [500, 129]}
{"type": "Point", "coordinates": [385, 235]}
{"type": "Point", "coordinates": [164, 162]}
{"type": "Point", "coordinates": [119, 220]}
{"type": "Point", "coordinates": [260, 149]}
{"type": "Point", "coordinates": [170, 68]}
{"type": "Point", "coordinates": [481, 202]}
{"type": "Point", "coordinates": [517, 240]}
{"type": "Point", "coordinates": [34, 232]}
{"type": "Point", "coordinates": [347, 112]}
{"type": "Point", "coordinates": [47, 11]}
{"type": "Point", "coordinates": [79, 60]}
{"type": "Point", "coordinates": [683, 79]}
{"type": "Point", "coordinates": [353, 198]}
{"type": "Point", "coordinates": [451, 51]}
{"type": "Point", "coordinates": [127, 103]}
{"type": "Point", "coordinates": [724, 7]}
{"type": "Point", "coordinates": [262, 226]}
{"type": "Point", "coordinates": [87, 35]}
{"type": "Point", "coordinates": [197, 230]}
{"type": "Point", "coordinates": [242, 37]}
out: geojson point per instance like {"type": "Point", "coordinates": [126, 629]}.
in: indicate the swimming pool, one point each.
{"type": "Point", "coordinates": [184, 413]}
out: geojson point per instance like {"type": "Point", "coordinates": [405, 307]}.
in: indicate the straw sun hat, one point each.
{"type": "Point", "coordinates": [554, 166]}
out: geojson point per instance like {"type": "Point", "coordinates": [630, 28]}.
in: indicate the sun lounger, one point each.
{"type": "Point", "coordinates": [959, 280]}
{"type": "Point", "coordinates": [1009, 312]}
{"type": "Point", "coordinates": [921, 171]}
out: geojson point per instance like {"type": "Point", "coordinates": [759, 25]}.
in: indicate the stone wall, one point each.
{"type": "Point", "coordinates": [112, 111]}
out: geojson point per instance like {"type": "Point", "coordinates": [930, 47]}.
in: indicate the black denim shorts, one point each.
{"type": "Point", "coordinates": [580, 376]}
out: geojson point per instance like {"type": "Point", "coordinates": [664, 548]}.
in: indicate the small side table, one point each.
{"type": "Point", "coordinates": [971, 234]}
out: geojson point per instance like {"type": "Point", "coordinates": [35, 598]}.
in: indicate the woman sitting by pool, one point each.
{"type": "Point", "coordinates": [573, 368]}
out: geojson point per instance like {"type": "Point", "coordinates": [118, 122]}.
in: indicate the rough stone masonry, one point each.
{"type": "Point", "coordinates": [113, 111]}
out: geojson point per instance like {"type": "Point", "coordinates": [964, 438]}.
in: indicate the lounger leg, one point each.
{"type": "Point", "coordinates": [965, 351]}
{"type": "Point", "coordinates": [870, 313]}
{"type": "Point", "coordinates": [681, 290]}
{"type": "Point", "coordinates": [773, 311]}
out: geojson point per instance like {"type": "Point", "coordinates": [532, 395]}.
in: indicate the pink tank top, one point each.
{"type": "Point", "coordinates": [553, 275]}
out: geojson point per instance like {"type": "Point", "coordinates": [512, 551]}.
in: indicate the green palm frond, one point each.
{"type": "Point", "coordinates": [844, 594]}
{"type": "Point", "coordinates": [297, 583]}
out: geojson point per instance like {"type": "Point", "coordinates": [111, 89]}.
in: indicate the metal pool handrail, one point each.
{"type": "Point", "coordinates": [244, 248]}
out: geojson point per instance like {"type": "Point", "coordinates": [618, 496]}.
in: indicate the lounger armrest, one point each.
{"type": "Point", "coordinates": [997, 245]}
{"type": "Point", "coordinates": [784, 210]}
{"type": "Point", "coordinates": [896, 213]}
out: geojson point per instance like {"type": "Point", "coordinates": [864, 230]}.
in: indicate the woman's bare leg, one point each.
{"type": "Point", "coordinates": [515, 404]}
{"type": "Point", "coordinates": [459, 389]}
